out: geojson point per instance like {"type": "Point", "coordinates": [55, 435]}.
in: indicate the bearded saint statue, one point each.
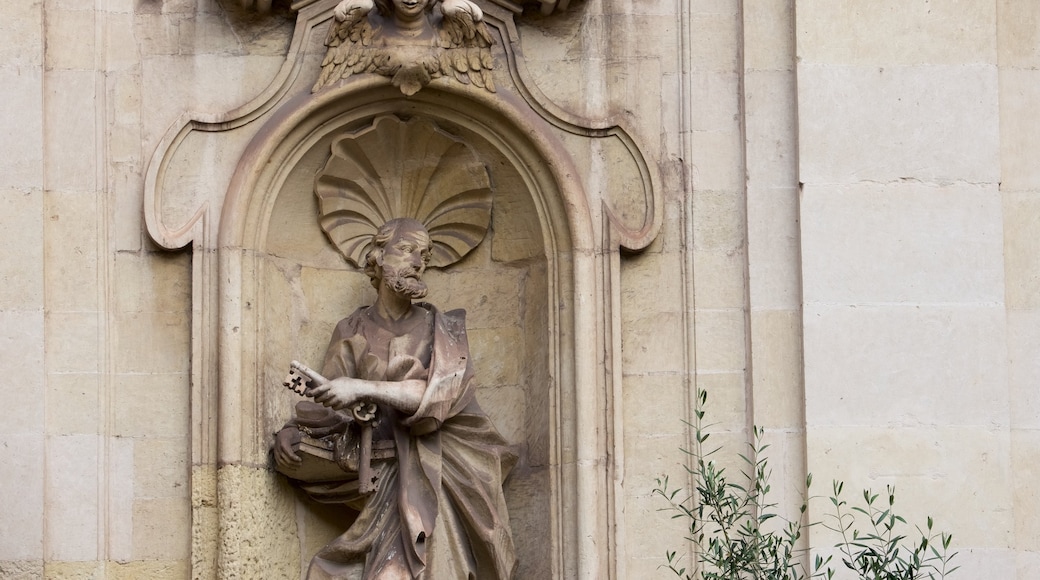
{"type": "Point", "coordinates": [414, 453]}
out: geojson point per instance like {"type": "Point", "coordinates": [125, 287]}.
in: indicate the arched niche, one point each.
{"type": "Point", "coordinates": [527, 289]}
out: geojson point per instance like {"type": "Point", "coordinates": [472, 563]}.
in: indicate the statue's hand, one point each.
{"type": "Point", "coordinates": [341, 393]}
{"type": "Point", "coordinates": [285, 444]}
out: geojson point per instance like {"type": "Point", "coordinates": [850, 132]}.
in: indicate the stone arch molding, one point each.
{"type": "Point", "coordinates": [240, 514]}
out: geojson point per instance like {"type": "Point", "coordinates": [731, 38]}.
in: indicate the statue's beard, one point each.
{"type": "Point", "coordinates": [404, 283]}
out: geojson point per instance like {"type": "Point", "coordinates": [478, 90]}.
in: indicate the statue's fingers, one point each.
{"type": "Point", "coordinates": [311, 374]}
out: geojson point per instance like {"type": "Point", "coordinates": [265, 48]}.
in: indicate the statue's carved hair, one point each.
{"type": "Point", "coordinates": [383, 235]}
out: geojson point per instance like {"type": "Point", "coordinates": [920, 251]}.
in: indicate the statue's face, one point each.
{"type": "Point", "coordinates": [402, 264]}
{"type": "Point", "coordinates": [409, 10]}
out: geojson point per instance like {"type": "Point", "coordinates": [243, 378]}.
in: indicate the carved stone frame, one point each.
{"type": "Point", "coordinates": [582, 238]}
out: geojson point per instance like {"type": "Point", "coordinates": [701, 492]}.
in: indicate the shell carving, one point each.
{"type": "Point", "coordinates": [396, 168]}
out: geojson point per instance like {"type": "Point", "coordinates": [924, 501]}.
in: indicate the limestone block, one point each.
{"type": "Point", "coordinates": [162, 529]}
{"type": "Point", "coordinates": [161, 468]}
{"type": "Point", "coordinates": [505, 406]}
{"type": "Point", "coordinates": [71, 132]}
{"type": "Point", "coordinates": [776, 351]}
{"type": "Point", "coordinates": [652, 343]}
{"type": "Point", "coordinates": [718, 279]}
{"type": "Point", "coordinates": [119, 509]}
{"type": "Point", "coordinates": [906, 365]}
{"type": "Point", "coordinates": [768, 38]}
{"type": "Point", "coordinates": [770, 105]}
{"type": "Point", "coordinates": [883, 124]}
{"type": "Point", "coordinates": [649, 533]}
{"type": "Point", "coordinates": [892, 32]}
{"type": "Point", "coordinates": [152, 342]}
{"type": "Point", "coordinates": [902, 243]}
{"type": "Point", "coordinates": [988, 563]}
{"type": "Point", "coordinates": [651, 281]}
{"type": "Point", "coordinates": [491, 297]}
{"type": "Point", "coordinates": [715, 100]}
{"type": "Point", "coordinates": [21, 226]}
{"type": "Point", "coordinates": [774, 249]}
{"type": "Point", "coordinates": [496, 354]}
{"type": "Point", "coordinates": [516, 233]}
{"type": "Point", "coordinates": [1021, 248]}
{"type": "Point", "coordinates": [240, 79]}
{"type": "Point", "coordinates": [72, 342]}
{"type": "Point", "coordinates": [932, 468]}
{"type": "Point", "coordinates": [71, 531]}
{"type": "Point", "coordinates": [58, 570]}
{"type": "Point", "coordinates": [71, 248]}
{"type": "Point", "coordinates": [528, 500]}
{"type": "Point", "coordinates": [152, 282]}
{"type": "Point", "coordinates": [21, 122]}
{"type": "Point", "coordinates": [1024, 368]}
{"type": "Point", "coordinates": [150, 405]}
{"type": "Point", "coordinates": [718, 219]}
{"type": "Point", "coordinates": [21, 569]}
{"type": "Point", "coordinates": [21, 356]}
{"type": "Point", "coordinates": [1027, 563]}
{"type": "Point", "coordinates": [1018, 33]}
{"type": "Point", "coordinates": [73, 403]}
{"type": "Point", "coordinates": [205, 526]}
{"type": "Point", "coordinates": [127, 233]}
{"type": "Point", "coordinates": [720, 336]}
{"type": "Point", "coordinates": [151, 569]}
{"type": "Point", "coordinates": [726, 405]}
{"type": "Point", "coordinates": [1019, 129]}
{"type": "Point", "coordinates": [636, 86]}
{"type": "Point", "coordinates": [714, 41]}
{"type": "Point", "coordinates": [121, 48]}
{"type": "Point", "coordinates": [21, 502]}
{"type": "Point", "coordinates": [654, 405]}
{"type": "Point", "coordinates": [332, 295]}
{"type": "Point", "coordinates": [1025, 447]}
{"type": "Point", "coordinates": [650, 456]}
{"type": "Point", "coordinates": [21, 23]}
{"type": "Point", "coordinates": [258, 534]}
{"type": "Point", "coordinates": [717, 161]}
{"type": "Point", "coordinates": [70, 39]}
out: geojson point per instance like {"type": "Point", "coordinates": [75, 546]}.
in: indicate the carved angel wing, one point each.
{"type": "Point", "coordinates": [466, 44]}
{"type": "Point", "coordinates": [348, 41]}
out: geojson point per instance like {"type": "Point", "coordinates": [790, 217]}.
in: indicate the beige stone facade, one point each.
{"type": "Point", "coordinates": [822, 212]}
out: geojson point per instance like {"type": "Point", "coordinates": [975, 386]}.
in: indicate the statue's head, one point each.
{"type": "Point", "coordinates": [404, 9]}
{"type": "Point", "coordinates": [400, 251]}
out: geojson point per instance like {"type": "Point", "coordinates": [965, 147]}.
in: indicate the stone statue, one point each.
{"type": "Point", "coordinates": [410, 42]}
{"type": "Point", "coordinates": [396, 433]}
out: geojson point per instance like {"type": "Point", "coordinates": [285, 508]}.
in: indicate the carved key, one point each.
{"type": "Point", "coordinates": [365, 414]}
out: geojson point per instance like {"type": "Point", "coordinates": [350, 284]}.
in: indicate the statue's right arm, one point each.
{"type": "Point", "coordinates": [344, 392]}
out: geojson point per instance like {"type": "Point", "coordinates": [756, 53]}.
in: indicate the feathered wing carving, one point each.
{"type": "Point", "coordinates": [348, 42]}
{"type": "Point", "coordinates": [466, 44]}
{"type": "Point", "coordinates": [362, 43]}
{"type": "Point", "coordinates": [397, 169]}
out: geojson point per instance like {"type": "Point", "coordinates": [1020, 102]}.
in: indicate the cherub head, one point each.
{"type": "Point", "coordinates": [405, 10]}
{"type": "Point", "coordinates": [401, 249]}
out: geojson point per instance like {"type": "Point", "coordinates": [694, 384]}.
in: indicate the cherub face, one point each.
{"type": "Point", "coordinates": [409, 10]}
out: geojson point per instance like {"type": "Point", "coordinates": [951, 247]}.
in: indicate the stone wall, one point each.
{"type": "Point", "coordinates": [848, 258]}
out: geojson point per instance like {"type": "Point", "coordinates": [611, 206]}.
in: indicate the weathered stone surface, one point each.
{"type": "Point", "coordinates": [848, 195]}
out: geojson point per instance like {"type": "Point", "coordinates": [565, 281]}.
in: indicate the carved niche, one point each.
{"type": "Point", "coordinates": [268, 285]}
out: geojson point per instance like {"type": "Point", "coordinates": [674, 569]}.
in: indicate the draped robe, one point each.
{"type": "Point", "coordinates": [438, 512]}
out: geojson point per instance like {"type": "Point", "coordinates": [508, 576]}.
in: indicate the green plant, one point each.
{"type": "Point", "coordinates": [727, 519]}
{"type": "Point", "coordinates": [882, 552]}
{"type": "Point", "coordinates": [738, 535]}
